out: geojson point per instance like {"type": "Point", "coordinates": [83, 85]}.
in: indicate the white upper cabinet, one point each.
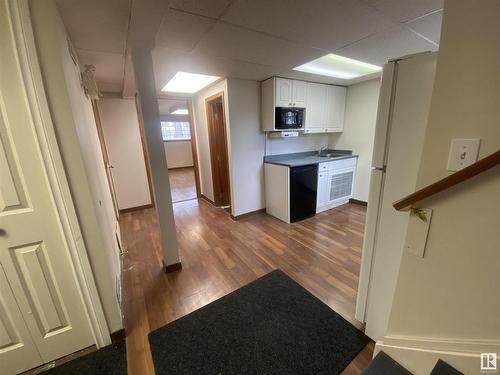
{"type": "Point", "coordinates": [284, 92]}
{"type": "Point", "coordinates": [299, 91]}
{"type": "Point", "coordinates": [291, 93]}
{"type": "Point", "coordinates": [316, 108]}
{"type": "Point", "coordinates": [325, 108]}
{"type": "Point", "coordinates": [335, 109]}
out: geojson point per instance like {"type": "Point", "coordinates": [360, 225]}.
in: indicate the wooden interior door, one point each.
{"type": "Point", "coordinates": [218, 149]}
{"type": "Point", "coordinates": [42, 314]}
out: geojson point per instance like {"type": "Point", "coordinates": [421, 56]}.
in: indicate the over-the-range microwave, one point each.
{"type": "Point", "coordinates": [289, 118]}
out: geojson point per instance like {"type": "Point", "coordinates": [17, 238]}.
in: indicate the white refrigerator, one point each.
{"type": "Point", "coordinates": [403, 108]}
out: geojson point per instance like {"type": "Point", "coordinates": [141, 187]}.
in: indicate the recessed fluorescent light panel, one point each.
{"type": "Point", "coordinates": [338, 66]}
{"type": "Point", "coordinates": [188, 83]}
{"type": "Point", "coordinates": [180, 111]}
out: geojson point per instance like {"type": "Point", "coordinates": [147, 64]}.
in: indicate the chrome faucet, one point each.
{"type": "Point", "coordinates": [321, 149]}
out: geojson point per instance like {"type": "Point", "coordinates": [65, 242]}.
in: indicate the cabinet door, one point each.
{"type": "Point", "coordinates": [316, 108]}
{"type": "Point", "coordinates": [323, 195]}
{"type": "Point", "coordinates": [283, 92]}
{"type": "Point", "coordinates": [299, 94]}
{"type": "Point", "coordinates": [335, 108]}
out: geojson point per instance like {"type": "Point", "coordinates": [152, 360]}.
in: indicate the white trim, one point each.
{"type": "Point", "coordinates": [420, 354]}
{"type": "Point", "coordinates": [42, 120]}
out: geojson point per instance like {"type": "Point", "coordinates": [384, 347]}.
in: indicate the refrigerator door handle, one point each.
{"type": "Point", "coordinates": [383, 168]}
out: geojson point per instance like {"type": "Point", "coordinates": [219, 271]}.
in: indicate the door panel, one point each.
{"type": "Point", "coordinates": [34, 256]}
{"type": "Point", "coordinates": [316, 104]}
{"type": "Point", "coordinates": [299, 94]}
{"type": "Point", "coordinates": [17, 350]}
{"type": "Point", "coordinates": [283, 92]}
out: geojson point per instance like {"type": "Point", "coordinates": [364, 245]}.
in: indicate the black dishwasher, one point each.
{"type": "Point", "coordinates": [303, 189]}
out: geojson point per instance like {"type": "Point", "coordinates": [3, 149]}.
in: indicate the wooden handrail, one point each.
{"type": "Point", "coordinates": [462, 175]}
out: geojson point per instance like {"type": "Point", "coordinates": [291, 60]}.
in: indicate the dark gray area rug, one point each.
{"type": "Point", "coordinates": [270, 326]}
{"type": "Point", "coordinates": [110, 360]}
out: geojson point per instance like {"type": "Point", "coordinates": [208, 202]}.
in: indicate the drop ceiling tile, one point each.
{"type": "Point", "coordinates": [428, 26]}
{"type": "Point", "coordinates": [327, 24]}
{"type": "Point", "coordinates": [207, 8]}
{"type": "Point", "coordinates": [378, 49]}
{"type": "Point", "coordinates": [95, 24]}
{"type": "Point", "coordinates": [182, 30]}
{"type": "Point", "coordinates": [239, 44]}
{"type": "Point", "coordinates": [405, 10]}
{"type": "Point", "coordinates": [165, 105]}
{"type": "Point", "coordinates": [109, 66]}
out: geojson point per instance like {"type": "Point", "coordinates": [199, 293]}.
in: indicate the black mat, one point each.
{"type": "Point", "coordinates": [110, 360]}
{"type": "Point", "coordinates": [270, 326]}
{"type": "Point", "coordinates": [382, 364]}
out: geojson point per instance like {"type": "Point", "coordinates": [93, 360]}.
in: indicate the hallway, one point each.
{"type": "Point", "coordinates": [220, 255]}
{"type": "Point", "coordinates": [182, 184]}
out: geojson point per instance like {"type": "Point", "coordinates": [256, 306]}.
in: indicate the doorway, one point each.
{"type": "Point", "coordinates": [217, 138]}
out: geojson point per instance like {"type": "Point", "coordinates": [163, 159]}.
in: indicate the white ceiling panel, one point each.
{"type": "Point", "coordinates": [429, 26]}
{"type": "Point", "coordinates": [405, 10]}
{"type": "Point", "coordinates": [109, 66]}
{"type": "Point", "coordinates": [379, 48]}
{"type": "Point", "coordinates": [207, 8]}
{"type": "Point", "coordinates": [165, 105]}
{"type": "Point", "coordinates": [244, 45]}
{"type": "Point", "coordinates": [181, 30]}
{"type": "Point", "coordinates": [95, 24]}
{"type": "Point", "coordinates": [327, 24]}
{"type": "Point", "coordinates": [167, 62]}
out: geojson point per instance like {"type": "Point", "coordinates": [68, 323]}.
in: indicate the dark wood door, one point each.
{"type": "Point", "coordinates": [218, 149]}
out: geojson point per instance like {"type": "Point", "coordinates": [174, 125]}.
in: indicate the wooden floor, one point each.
{"type": "Point", "coordinates": [182, 184]}
{"type": "Point", "coordinates": [220, 255]}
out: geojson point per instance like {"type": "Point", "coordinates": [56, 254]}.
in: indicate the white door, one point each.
{"type": "Point", "coordinates": [335, 108]}
{"type": "Point", "coordinates": [299, 94]}
{"type": "Point", "coordinates": [316, 108]}
{"type": "Point", "coordinates": [41, 304]}
{"type": "Point", "coordinates": [283, 92]}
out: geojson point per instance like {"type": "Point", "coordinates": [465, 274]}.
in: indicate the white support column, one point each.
{"type": "Point", "coordinates": [146, 90]}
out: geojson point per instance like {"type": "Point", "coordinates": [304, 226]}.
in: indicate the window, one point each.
{"type": "Point", "coordinates": [175, 131]}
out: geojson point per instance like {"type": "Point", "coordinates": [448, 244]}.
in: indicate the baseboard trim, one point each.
{"type": "Point", "coordinates": [247, 214]}
{"type": "Point", "coordinates": [138, 208]}
{"type": "Point", "coordinates": [204, 197]}
{"type": "Point", "coordinates": [118, 335]}
{"type": "Point", "coordinates": [178, 168]}
{"type": "Point", "coordinates": [173, 267]}
{"type": "Point", "coordinates": [356, 201]}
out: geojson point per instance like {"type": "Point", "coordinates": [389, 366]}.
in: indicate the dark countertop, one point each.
{"type": "Point", "coordinates": [306, 158]}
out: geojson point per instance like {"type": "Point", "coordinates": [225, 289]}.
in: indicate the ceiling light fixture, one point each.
{"type": "Point", "coordinates": [338, 66]}
{"type": "Point", "coordinates": [188, 83]}
{"type": "Point", "coordinates": [180, 111]}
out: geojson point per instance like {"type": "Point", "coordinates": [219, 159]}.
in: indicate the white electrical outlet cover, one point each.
{"type": "Point", "coordinates": [463, 152]}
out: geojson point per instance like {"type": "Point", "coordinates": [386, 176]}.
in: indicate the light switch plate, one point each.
{"type": "Point", "coordinates": [463, 152]}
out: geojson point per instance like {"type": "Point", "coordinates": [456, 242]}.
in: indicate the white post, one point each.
{"type": "Point", "coordinates": [146, 91]}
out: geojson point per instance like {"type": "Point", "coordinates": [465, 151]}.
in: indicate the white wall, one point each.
{"type": "Point", "coordinates": [80, 149]}
{"type": "Point", "coordinates": [359, 131]}
{"type": "Point", "coordinates": [178, 153]}
{"type": "Point", "coordinates": [247, 145]}
{"type": "Point", "coordinates": [447, 302]}
{"type": "Point", "coordinates": [304, 142]}
{"type": "Point", "coordinates": [200, 120]}
{"type": "Point", "coordinates": [122, 135]}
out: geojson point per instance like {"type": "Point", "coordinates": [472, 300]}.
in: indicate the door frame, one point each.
{"type": "Point", "coordinates": [47, 141]}
{"type": "Point", "coordinates": [194, 147]}
{"type": "Point", "coordinates": [211, 141]}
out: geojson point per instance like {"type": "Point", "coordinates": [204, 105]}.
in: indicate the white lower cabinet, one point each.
{"type": "Point", "coordinates": [335, 183]}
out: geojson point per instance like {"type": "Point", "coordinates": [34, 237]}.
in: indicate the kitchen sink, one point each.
{"type": "Point", "coordinates": [327, 153]}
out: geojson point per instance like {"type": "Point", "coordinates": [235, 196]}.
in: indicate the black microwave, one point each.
{"type": "Point", "coordinates": [289, 118]}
